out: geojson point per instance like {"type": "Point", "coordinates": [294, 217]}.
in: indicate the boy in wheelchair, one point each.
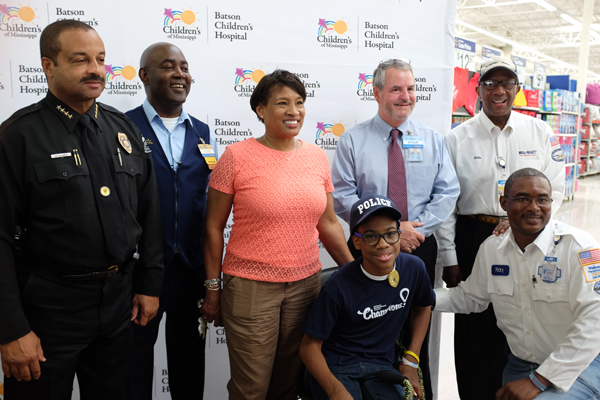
{"type": "Point", "coordinates": [351, 330]}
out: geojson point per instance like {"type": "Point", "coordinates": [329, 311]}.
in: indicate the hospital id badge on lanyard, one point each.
{"type": "Point", "coordinates": [208, 153]}
{"type": "Point", "coordinates": [501, 184]}
{"type": "Point", "coordinates": [413, 146]}
{"type": "Point", "coordinates": [549, 272]}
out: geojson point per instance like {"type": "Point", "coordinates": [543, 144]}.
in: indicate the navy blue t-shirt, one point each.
{"type": "Point", "coordinates": [359, 319]}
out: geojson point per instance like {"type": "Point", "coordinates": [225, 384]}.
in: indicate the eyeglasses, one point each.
{"type": "Point", "coordinates": [525, 201]}
{"type": "Point", "coordinates": [372, 239]}
{"type": "Point", "coordinates": [492, 84]}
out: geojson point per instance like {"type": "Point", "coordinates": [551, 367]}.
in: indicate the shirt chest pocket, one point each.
{"type": "Point", "coordinates": [64, 188]}
{"type": "Point", "coordinates": [551, 304]}
{"type": "Point", "coordinates": [128, 170]}
{"type": "Point", "coordinates": [501, 292]}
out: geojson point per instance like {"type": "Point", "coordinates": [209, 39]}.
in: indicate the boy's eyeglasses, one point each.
{"type": "Point", "coordinates": [372, 239]}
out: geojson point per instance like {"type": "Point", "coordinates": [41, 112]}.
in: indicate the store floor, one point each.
{"type": "Point", "coordinates": [584, 213]}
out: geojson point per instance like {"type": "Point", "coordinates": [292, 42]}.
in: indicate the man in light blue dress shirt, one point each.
{"type": "Point", "coordinates": [182, 173]}
{"type": "Point", "coordinates": [360, 167]}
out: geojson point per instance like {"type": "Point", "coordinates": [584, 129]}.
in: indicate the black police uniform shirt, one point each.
{"type": "Point", "coordinates": [46, 188]}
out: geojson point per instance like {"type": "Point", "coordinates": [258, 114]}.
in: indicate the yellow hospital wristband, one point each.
{"type": "Point", "coordinates": [410, 353]}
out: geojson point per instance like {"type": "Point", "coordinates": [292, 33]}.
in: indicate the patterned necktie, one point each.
{"type": "Point", "coordinates": [107, 200]}
{"type": "Point", "coordinates": [397, 176]}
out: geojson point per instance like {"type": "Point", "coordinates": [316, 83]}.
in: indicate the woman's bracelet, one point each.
{"type": "Point", "coordinates": [213, 284]}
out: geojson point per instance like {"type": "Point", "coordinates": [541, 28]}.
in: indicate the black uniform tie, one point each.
{"type": "Point", "coordinates": [107, 200]}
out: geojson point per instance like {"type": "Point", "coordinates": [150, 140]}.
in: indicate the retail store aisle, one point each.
{"type": "Point", "coordinates": [584, 213]}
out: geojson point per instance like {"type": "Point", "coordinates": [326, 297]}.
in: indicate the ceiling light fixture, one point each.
{"type": "Point", "coordinates": [571, 20]}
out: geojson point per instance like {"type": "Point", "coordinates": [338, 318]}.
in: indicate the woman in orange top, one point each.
{"type": "Point", "coordinates": [281, 189]}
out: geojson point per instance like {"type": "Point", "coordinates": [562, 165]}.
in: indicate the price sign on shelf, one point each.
{"type": "Point", "coordinates": [464, 53]}
{"type": "Point", "coordinates": [462, 59]}
{"type": "Point", "coordinates": [539, 80]}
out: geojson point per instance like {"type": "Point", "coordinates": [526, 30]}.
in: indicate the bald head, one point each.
{"type": "Point", "coordinates": [166, 77]}
{"type": "Point", "coordinates": [154, 49]}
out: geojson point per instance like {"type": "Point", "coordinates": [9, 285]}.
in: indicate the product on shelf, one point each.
{"type": "Point", "coordinates": [584, 148]}
{"type": "Point", "coordinates": [532, 97]}
{"type": "Point", "coordinates": [594, 148]}
{"type": "Point", "coordinates": [586, 114]}
{"type": "Point", "coordinates": [585, 132]}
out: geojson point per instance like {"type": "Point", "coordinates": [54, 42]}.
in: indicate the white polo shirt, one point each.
{"type": "Point", "coordinates": [476, 147]}
{"type": "Point", "coordinates": [553, 321]}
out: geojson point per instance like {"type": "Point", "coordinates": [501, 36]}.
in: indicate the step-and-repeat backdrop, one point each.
{"type": "Point", "coordinates": [333, 46]}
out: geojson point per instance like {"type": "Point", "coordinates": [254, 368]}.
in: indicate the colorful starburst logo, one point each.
{"type": "Point", "coordinates": [187, 17]}
{"type": "Point", "coordinates": [328, 27]}
{"type": "Point", "coordinates": [326, 130]}
{"type": "Point", "coordinates": [114, 72]}
{"type": "Point", "coordinates": [364, 81]}
{"type": "Point", "coordinates": [24, 13]}
{"type": "Point", "coordinates": [247, 76]}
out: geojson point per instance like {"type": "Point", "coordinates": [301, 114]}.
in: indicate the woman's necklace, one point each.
{"type": "Point", "coordinates": [279, 152]}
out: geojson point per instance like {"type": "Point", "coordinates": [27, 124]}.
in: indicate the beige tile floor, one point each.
{"type": "Point", "coordinates": [584, 213]}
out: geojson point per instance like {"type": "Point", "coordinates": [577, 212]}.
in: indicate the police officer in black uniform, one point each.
{"type": "Point", "coordinates": [77, 181]}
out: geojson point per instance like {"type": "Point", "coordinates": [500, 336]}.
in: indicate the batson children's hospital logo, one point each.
{"type": "Point", "coordinates": [328, 134]}
{"type": "Point", "coordinates": [19, 21]}
{"type": "Point", "coordinates": [365, 87]}
{"type": "Point", "coordinates": [180, 24]}
{"type": "Point", "coordinates": [120, 80]}
{"type": "Point", "coordinates": [246, 81]}
{"type": "Point", "coordinates": [333, 34]}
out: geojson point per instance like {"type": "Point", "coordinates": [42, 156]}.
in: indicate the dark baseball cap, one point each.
{"type": "Point", "coordinates": [368, 205]}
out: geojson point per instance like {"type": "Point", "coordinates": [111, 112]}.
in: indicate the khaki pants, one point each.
{"type": "Point", "coordinates": [263, 324]}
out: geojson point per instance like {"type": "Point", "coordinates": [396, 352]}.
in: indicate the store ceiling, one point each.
{"type": "Point", "coordinates": [530, 23]}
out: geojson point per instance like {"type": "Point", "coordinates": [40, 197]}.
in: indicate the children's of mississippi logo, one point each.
{"type": "Point", "coordinates": [246, 80]}
{"type": "Point", "coordinates": [333, 33]}
{"type": "Point", "coordinates": [365, 87]}
{"type": "Point", "coordinates": [9, 21]}
{"type": "Point", "coordinates": [180, 24]}
{"type": "Point", "coordinates": [328, 134]}
{"type": "Point", "coordinates": [121, 80]}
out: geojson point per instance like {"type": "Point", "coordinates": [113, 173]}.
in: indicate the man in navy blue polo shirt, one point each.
{"type": "Point", "coordinates": [352, 329]}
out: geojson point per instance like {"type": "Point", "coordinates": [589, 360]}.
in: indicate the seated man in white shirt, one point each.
{"type": "Point", "coordinates": [543, 279]}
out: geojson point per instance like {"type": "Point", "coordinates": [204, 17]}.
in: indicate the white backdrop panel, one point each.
{"type": "Point", "coordinates": [333, 46]}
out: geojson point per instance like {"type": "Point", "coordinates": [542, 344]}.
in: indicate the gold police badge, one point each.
{"type": "Point", "coordinates": [124, 142]}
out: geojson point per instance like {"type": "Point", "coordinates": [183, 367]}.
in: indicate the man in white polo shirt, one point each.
{"type": "Point", "coordinates": [543, 278]}
{"type": "Point", "coordinates": [485, 150]}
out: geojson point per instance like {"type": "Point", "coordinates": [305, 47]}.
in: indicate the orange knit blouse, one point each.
{"type": "Point", "coordinates": [276, 206]}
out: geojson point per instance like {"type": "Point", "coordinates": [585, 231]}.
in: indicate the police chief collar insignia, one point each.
{"type": "Point", "coordinates": [65, 112]}
{"type": "Point", "coordinates": [124, 142]}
